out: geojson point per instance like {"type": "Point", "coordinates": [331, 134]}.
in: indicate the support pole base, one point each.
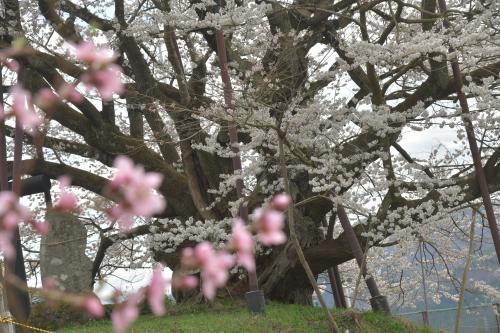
{"type": "Point", "coordinates": [380, 304]}
{"type": "Point", "coordinates": [256, 303]}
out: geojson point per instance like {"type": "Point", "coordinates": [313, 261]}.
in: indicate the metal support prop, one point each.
{"type": "Point", "coordinates": [333, 272]}
{"type": "Point", "coordinates": [471, 137]}
{"type": "Point", "coordinates": [378, 302]}
{"type": "Point", "coordinates": [336, 285]}
{"type": "Point", "coordinates": [255, 297]}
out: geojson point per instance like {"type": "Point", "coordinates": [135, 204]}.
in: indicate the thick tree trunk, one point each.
{"type": "Point", "coordinates": [284, 279]}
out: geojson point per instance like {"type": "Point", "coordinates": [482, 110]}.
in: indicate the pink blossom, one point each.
{"type": "Point", "coordinates": [199, 256]}
{"type": "Point", "coordinates": [188, 259]}
{"type": "Point", "coordinates": [11, 211]}
{"type": "Point", "coordinates": [45, 98]}
{"type": "Point", "coordinates": [10, 220]}
{"type": "Point", "coordinates": [102, 73]}
{"type": "Point", "coordinates": [125, 172]}
{"type": "Point", "coordinates": [41, 228]}
{"type": "Point", "coordinates": [123, 215]}
{"type": "Point", "coordinates": [126, 312]}
{"type": "Point", "coordinates": [11, 214]}
{"type": "Point", "coordinates": [242, 243]}
{"type": "Point", "coordinates": [134, 189]}
{"type": "Point", "coordinates": [184, 282]}
{"type": "Point", "coordinates": [67, 201]}
{"type": "Point", "coordinates": [156, 292]}
{"type": "Point", "coordinates": [22, 108]}
{"type": "Point", "coordinates": [50, 283]}
{"type": "Point", "coordinates": [68, 92]}
{"type": "Point", "coordinates": [215, 273]}
{"type": "Point", "coordinates": [269, 224]}
{"type": "Point", "coordinates": [107, 81]}
{"type": "Point", "coordinates": [214, 266]}
{"type": "Point", "coordinates": [281, 201]}
{"type": "Point", "coordinates": [204, 252]}
{"type": "Point", "coordinates": [92, 305]}
{"type": "Point", "coordinates": [88, 53]}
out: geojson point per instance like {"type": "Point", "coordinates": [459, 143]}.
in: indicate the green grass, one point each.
{"type": "Point", "coordinates": [235, 318]}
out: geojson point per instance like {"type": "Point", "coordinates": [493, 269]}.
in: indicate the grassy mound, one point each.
{"type": "Point", "coordinates": [235, 318]}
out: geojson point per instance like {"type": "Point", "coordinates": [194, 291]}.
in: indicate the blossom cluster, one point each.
{"type": "Point", "coordinates": [213, 264]}
{"type": "Point", "coordinates": [102, 73]}
{"type": "Point", "coordinates": [134, 190]}
{"type": "Point", "coordinates": [11, 214]}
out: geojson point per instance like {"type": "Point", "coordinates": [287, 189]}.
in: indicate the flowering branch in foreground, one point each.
{"type": "Point", "coordinates": [214, 265]}
{"type": "Point", "coordinates": [134, 191]}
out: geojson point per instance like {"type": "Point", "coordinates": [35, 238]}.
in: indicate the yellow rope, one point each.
{"type": "Point", "coordinates": [8, 320]}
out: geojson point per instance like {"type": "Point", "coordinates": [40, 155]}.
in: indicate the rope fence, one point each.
{"type": "Point", "coordinates": [6, 320]}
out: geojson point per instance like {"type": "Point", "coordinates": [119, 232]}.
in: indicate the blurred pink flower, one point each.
{"type": "Point", "coordinates": [102, 73]}
{"type": "Point", "coordinates": [156, 291]}
{"type": "Point", "coordinates": [67, 201]}
{"type": "Point", "coordinates": [68, 92]}
{"type": "Point", "coordinates": [45, 98]}
{"type": "Point", "coordinates": [126, 312]}
{"type": "Point", "coordinates": [184, 282]}
{"type": "Point", "coordinates": [214, 273]}
{"type": "Point", "coordinates": [41, 228]}
{"type": "Point", "coordinates": [11, 211]}
{"type": "Point", "coordinates": [107, 81]}
{"type": "Point", "coordinates": [281, 201]}
{"type": "Point", "coordinates": [197, 257]}
{"type": "Point", "coordinates": [269, 224]}
{"type": "Point", "coordinates": [88, 53]}
{"type": "Point", "coordinates": [92, 305]}
{"type": "Point", "coordinates": [50, 283]}
{"type": "Point", "coordinates": [23, 109]}
{"type": "Point", "coordinates": [214, 266]}
{"type": "Point", "coordinates": [135, 189]}
{"type": "Point", "coordinates": [242, 242]}
{"type": "Point", "coordinates": [11, 214]}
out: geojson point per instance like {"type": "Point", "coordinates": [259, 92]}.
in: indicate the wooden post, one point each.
{"type": "Point", "coordinates": [4, 308]}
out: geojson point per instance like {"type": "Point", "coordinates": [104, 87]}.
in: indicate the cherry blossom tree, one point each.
{"type": "Point", "coordinates": [343, 83]}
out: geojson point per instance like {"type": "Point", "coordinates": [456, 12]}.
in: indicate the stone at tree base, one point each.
{"type": "Point", "coordinates": [62, 253]}
{"type": "Point", "coordinates": [255, 301]}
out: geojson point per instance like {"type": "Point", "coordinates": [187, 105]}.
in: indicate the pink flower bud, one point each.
{"type": "Point", "coordinates": [92, 305]}
{"type": "Point", "coordinates": [45, 98]}
{"type": "Point", "coordinates": [41, 228]}
{"type": "Point", "coordinates": [269, 224]}
{"type": "Point", "coordinates": [281, 201]}
{"type": "Point", "coordinates": [156, 292]}
{"type": "Point", "coordinates": [126, 312]}
{"type": "Point", "coordinates": [135, 188]}
{"type": "Point", "coordinates": [242, 242]}
{"type": "Point", "coordinates": [68, 91]}
{"type": "Point", "coordinates": [184, 282]}
{"type": "Point", "coordinates": [23, 109]}
{"type": "Point", "coordinates": [68, 201]}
